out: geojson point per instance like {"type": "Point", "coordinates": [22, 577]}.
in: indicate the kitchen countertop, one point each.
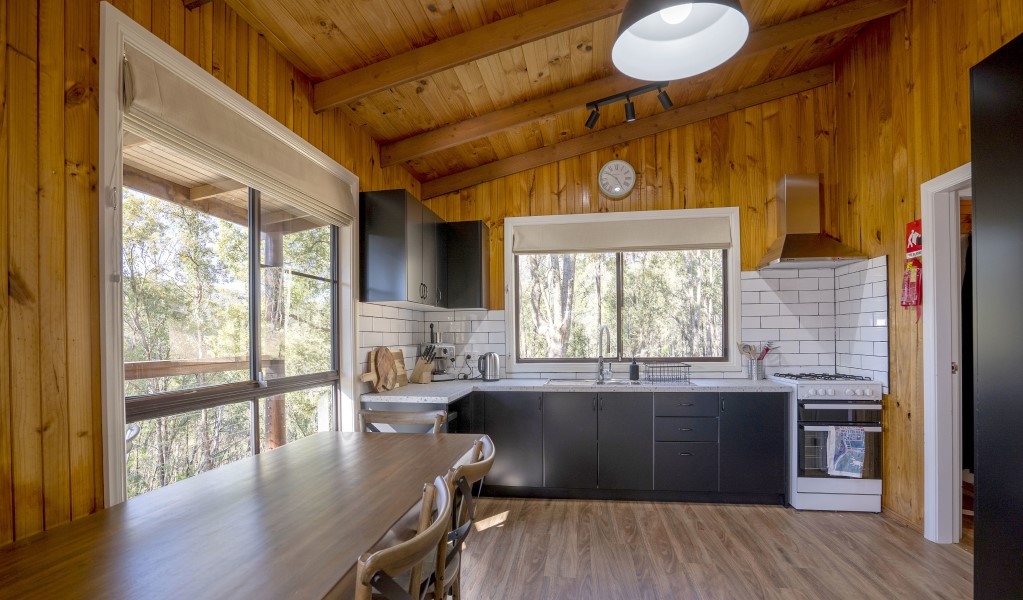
{"type": "Point", "coordinates": [445, 392]}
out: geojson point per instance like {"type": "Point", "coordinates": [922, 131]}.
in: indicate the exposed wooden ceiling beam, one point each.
{"type": "Point", "coordinates": [811, 26]}
{"type": "Point", "coordinates": [208, 190]}
{"type": "Point", "coordinates": [474, 44]}
{"type": "Point", "coordinates": [677, 117]}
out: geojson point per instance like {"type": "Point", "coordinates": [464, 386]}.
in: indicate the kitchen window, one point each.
{"type": "Point", "coordinates": [664, 284]}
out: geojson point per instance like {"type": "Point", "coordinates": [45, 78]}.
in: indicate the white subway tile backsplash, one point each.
{"type": "Point", "coordinates": [816, 347]}
{"type": "Point", "coordinates": [800, 284]}
{"type": "Point", "coordinates": [780, 297]}
{"type": "Point", "coordinates": [758, 285]}
{"type": "Point", "coordinates": [817, 296]}
{"type": "Point", "coordinates": [778, 274]}
{"type": "Point", "coordinates": [874, 363]}
{"type": "Point", "coordinates": [750, 322]}
{"type": "Point", "coordinates": [817, 322]}
{"type": "Point", "coordinates": [750, 297]}
{"type": "Point", "coordinates": [799, 334]}
{"type": "Point", "coordinates": [818, 273]}
{"type": "Point", "coordinates": [760, 310]}
{"type": "Point", "coordinates": [759, 335]}
{"type": "Point", "coordinates": [800, 309]}
{"type": "Point", "coordinates": [780, 322]}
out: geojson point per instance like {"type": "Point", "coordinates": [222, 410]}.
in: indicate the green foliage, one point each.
{"type": "Point", "coordinates": [185, 298]}
{"type": "Point", "coordinates": [672, 304]}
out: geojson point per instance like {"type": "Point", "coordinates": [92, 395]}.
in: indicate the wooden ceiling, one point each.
{"type": "Point", "coordinates": [462, 91]}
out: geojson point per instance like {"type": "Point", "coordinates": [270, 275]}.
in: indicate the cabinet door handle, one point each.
{"type": "Point", "coordinates": [722, 405]}
{"type": "Point", "coordinates": [594, 403]}
{"type": "Point", "coordinates": [601, 404]}
{"type": "Point", "coordinates": [689, 404]}
{"type": "Point", "coordinates": [685, 453]}
{"type": "Point", "coordinates": [685, 428]}
{"type": "Point", "coordinates": [539, 403]}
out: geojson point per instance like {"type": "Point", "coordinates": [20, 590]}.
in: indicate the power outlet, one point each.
{"type": "Point", "coordinates": [468, 357]}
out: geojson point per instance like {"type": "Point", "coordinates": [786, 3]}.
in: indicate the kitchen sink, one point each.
{"type": "Point", "coordinates": [590, 382]}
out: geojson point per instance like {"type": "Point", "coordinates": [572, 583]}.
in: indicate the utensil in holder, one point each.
{"type": "Point", "coordinates": [755, 368]}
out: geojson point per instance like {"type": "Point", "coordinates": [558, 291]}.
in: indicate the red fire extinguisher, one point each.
{"type": "Point", "coordinates": [912, 276]}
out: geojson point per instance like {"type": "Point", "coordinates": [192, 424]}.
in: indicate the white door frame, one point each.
{"type": "Point", "coordinates": [942, 327]}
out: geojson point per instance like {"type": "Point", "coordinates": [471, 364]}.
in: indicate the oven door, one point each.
{"type": "Point", "coordinates": [813, 453]}
{"type": "Point", "coordinates": [847, 413]}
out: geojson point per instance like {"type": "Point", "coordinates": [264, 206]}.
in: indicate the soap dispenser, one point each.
{"type": "Point", "coordinates": [634, 370]}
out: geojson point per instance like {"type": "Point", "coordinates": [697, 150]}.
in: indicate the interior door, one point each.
{"type": "Point", "coordinates": [997, 94]}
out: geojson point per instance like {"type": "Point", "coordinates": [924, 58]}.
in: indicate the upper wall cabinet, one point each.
{"type": "Point", "coordinates": [400, 251]}
{"type": "Point", "coordinates": [465, 266]}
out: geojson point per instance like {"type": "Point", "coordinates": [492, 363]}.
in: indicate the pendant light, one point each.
{"type": "Point", "coordinates": [662, 40]}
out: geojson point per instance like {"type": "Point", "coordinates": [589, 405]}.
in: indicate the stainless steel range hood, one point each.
{"type": "Point", "coordinates": [802, 243]}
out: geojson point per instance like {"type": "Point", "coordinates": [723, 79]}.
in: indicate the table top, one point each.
{"type": "Point", "coordinates": [290, 523]}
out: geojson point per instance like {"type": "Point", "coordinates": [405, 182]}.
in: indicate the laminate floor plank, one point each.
{"type": "Point", "coordinates": [576, 549]}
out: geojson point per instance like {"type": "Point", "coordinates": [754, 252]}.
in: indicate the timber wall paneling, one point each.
{"type": "Point", "coordinates": [903, 118]}
{"type": "Point", "coordinates": [732, 160]}
{"type": "Point", "coordinates": [50, 442]}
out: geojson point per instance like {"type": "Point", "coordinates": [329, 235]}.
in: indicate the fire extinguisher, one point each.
{"type": "Point", "coordinates": [912, 284]}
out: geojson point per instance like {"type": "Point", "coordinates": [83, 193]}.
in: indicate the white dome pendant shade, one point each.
{"type": "Point", "coordinates": [662, 40]}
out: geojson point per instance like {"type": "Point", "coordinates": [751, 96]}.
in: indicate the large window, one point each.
{"type": "Point", "coordinates": [663, 285]}
{"type": "Point", "coordinates": [229, 319]}
{"type": "Point", "coordinates": [664, 305]}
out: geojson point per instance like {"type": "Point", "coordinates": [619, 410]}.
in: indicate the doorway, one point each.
{"type": "Point", "coordinates": [943, 279]}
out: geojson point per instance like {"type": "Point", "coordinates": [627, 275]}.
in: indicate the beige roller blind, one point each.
{"type": "Point", "coordinates": [627, 235]}
{"type": "Point", "coordinates": [171, 110]}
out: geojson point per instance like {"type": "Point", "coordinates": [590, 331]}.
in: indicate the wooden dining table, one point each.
{"type": "Point", "coordinates": [289, 523]}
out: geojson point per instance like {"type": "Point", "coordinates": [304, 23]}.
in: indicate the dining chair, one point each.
{"type": "Point", "coordinates": [367, 418]}
{"type": "Point", "coordinates": [381, 572]}
{"type": "Point", "coordinates": [461, 479]}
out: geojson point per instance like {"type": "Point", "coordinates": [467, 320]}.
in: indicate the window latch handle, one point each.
{"type": "Point", "coordinates": [261, 379]}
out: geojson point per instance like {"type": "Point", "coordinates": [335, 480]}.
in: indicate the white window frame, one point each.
{"type": "Point", "coordinates": [733, 300]}
{"type": "Point", "coordinates": [117, 30]}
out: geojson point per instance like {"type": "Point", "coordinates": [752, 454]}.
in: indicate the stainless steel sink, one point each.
{"type": "Point", "coordinates": [590, 382]}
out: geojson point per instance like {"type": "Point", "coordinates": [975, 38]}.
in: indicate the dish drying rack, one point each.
{"type": "Point", "coordinates": [663, 372]}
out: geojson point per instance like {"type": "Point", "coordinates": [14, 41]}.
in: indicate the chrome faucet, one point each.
{"type": "Point", "coordinates": [601, 376]}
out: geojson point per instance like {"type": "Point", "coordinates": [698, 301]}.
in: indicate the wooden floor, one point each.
{"type": "Point", "coordinates": [565, 549]}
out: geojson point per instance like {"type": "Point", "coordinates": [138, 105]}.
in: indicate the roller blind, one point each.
{"type": "Point", "coordinates": [171, 110]}
{"type": "Point", "coordinates": [626, 235]}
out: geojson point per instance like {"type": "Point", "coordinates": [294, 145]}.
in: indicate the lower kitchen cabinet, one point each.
{"type": "Point", "coordinates": [625, 423]}
{"type": "Point", "coordinates": [686, 466]}
{"type": "Point", "coordinates": [753, 433]}
{"type": "Point", "coordinates": [514, 421]}
{"type": "Point", "coordinates": [570, 440]}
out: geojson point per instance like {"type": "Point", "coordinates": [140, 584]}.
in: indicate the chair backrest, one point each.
{"type": "Point", "coordinates": [461, 479]}
{"type": "Point", "coordinates": [435, 418]}
{"type": "Point", "coordinates": [376, 570]}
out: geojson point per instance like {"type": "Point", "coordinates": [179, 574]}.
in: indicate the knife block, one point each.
{"type": "Point", "coordinates": [423, 372]}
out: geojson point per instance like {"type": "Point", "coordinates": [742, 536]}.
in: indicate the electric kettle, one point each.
{"type": "Point", "coordinates": [490, 367]}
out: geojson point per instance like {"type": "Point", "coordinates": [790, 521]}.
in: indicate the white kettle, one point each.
{"type": "Point", "coordinates": [490, 367]}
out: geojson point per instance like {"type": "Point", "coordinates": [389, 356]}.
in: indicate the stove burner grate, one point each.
{"type": "Point", "coordinates": [821, 377]}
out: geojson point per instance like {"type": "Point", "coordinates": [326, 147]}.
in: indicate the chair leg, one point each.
{"type": "Point", "coordinates": [456, 587]}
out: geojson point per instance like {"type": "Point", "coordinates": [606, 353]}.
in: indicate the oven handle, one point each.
{"type": "Point", "coordinates": [820, 429]}
{"type": "Point", "coordinates": [842, 406]}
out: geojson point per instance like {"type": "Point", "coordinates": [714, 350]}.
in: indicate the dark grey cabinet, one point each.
{"type": "Point", "coordinates": [752, 447]}
{"type": "Point", "coordinates": [514, 421]}
{"type": "Point", "coordinates": [399, 250]}
{"type": "Point", "coordinates": [625, 441]}
{"type": "Point", "coordinates": [570, 440]}
{"type": "Point", "coordinates": [686, 404]}
{"type": "Point", "coordinates": [469, 414]}
{"type": "Point", "coordinates": [686, 466]}
{"type": "Point", "coordinates": [465, 266]}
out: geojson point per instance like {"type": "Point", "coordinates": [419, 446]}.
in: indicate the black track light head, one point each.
{"type": "Point", "coordinates": [591, 122]}
{"type": "Point", "coordinates": [630, 111]}
{"type": "Point", "coordinates": [665, 100]}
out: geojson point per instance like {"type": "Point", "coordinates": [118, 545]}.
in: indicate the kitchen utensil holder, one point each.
{"type": "Point", "coordinates": [668, 372]}
{"type": "Point", "coordinates": [755, 368]}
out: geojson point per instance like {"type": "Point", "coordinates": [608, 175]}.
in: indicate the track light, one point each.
{"type": "Point", "coordinates": [665, 100]}
{"type": "Point", "coordinates": [630, 106]}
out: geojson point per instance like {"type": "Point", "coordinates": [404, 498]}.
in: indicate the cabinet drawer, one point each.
{"type": "Point", "coordinates": [686, 404]}
{"type": "Point", "coordinates": [686, 429]}
{"type": "Point", "coordinates": [686, 466]}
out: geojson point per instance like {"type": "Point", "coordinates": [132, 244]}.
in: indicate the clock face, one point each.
{"type": "Point", "coordinates": [617, 178]}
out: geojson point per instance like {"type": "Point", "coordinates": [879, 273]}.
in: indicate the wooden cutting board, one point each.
{"type": "Point", "coordinates": [399, 367]}
{"type": "Point", "coordinates": [387, 373]}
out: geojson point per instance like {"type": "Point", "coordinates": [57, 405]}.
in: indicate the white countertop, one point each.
{"type": "Point", "coordinates": [445, 392]}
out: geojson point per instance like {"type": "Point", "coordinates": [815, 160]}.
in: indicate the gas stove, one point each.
{"type": "Point", "coordinates": [832, 386]}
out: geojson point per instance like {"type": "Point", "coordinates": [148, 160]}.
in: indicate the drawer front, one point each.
{"type": "Point", "coordinates": [686, 429]}
{"type": "Point", "coordinates": [686, 466]}
{"type": "Point", "coordinates": [686, 404]}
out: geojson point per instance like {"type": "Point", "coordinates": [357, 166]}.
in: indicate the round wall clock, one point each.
{"type": "Point", "coordinates": [617, 178]}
